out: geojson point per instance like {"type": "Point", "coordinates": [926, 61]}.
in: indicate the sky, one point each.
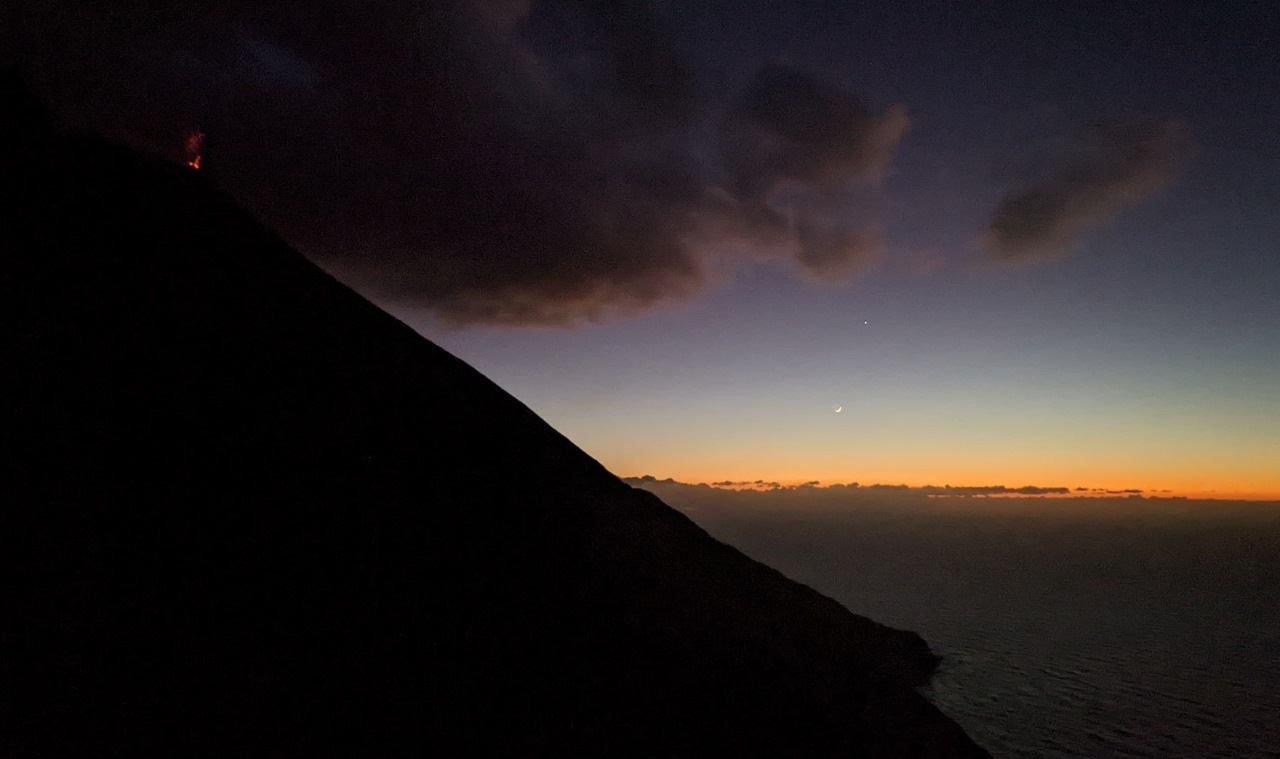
{"type": "Point", "coordinates": [1011, 245]}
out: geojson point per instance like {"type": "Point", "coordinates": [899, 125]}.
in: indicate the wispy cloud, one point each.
{"type": "Point", "coordinates": [1085, 183]}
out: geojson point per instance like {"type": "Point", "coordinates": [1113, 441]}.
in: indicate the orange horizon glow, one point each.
{"type": "Point", "coordinates": [830, 451]}
{"type": "Point", "coordinates": [1073, 492]}
{"type": "Point", "coordinates": [1205, 482]}
{"type": "Point", "coordinates": [1149, 482]}
{"type": "Point", "coordinates": [1244, 475]}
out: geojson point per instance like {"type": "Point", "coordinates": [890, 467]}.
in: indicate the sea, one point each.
{"type": "Point", "coordinates": [1112, 628]}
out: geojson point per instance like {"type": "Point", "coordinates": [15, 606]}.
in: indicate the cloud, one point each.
{"type": "Point", "coordinates": [494, 162]}
{"type": "Point", "coordinates": [830, 254]}
{"type": "Point", "coordinates": [798, 155]}
{"type": "Point", "coordinates": [868, 490]}
{"type": "Point", "coordinates": [791, 127]}
{"type": "Point", "coordinates": [1084, 184]}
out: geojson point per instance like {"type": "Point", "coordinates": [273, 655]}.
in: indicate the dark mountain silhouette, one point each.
{"type": "Point", "coordinates": [245, 513]}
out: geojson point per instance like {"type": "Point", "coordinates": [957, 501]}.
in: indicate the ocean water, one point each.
{"type": "Point", "coordinates": [1131, 630]}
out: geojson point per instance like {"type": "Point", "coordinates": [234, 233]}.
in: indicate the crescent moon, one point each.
{"type": "Point", "coordinates": [838, 409]}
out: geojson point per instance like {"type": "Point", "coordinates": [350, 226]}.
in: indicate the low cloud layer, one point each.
{"type": "Point", "coordinates": [855, 488]}
{"type": "Point", "coordinates": [1083, 184]}
{"type": "Point", "coordinates": [733, 500]}
{"type": "Point", "coordinates": [491, 162]}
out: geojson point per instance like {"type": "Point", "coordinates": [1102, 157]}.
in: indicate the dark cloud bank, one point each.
{"type": "Point", "coordinates": [497, 162]}
{"type": "Point", "coordinates": [516, 162]}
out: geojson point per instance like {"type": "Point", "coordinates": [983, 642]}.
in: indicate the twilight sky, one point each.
{"type": "Point", "coordinates": [1013, 245]}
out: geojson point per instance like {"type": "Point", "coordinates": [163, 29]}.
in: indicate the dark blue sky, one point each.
{"type": "Point", "coordinates": [1013, 244]}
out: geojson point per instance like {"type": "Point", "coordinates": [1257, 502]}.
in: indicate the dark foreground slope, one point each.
{"type": "Point", "coordinates": [245, 513]}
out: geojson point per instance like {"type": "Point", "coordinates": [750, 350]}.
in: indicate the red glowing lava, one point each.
{"type": "Point", "coordinates": [195, 147]}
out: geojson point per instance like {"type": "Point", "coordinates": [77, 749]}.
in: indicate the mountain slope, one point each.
{"type": "Point", "coordinates": [244, 512]}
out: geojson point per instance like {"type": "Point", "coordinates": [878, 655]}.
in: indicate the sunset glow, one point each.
{"type": "Point", "coordinates": [641, 378]}
{"type": "Point", "coordinates": [1026, 245]}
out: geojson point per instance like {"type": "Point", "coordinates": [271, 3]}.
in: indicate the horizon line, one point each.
{"type": "Point", "coordinates": [973, 491]}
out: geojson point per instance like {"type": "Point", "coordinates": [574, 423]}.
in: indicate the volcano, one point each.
{"type": "Point", "coordinates": [244, 512]}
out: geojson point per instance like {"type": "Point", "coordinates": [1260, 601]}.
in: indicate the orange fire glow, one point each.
{"type": "Point", "coordinates": [195, 148]}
